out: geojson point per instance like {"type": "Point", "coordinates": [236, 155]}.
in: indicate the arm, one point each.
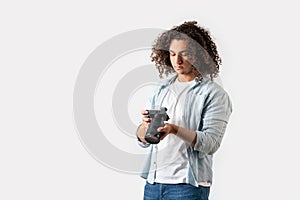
{"type": "Point", "coordinates": [140, 133]}
{"type": "Point", "coordinates": [188, 136]}
{"type": "Point", "coordinates": [209, 135]}
{"type": "Point", "coordinates": [213, 123]}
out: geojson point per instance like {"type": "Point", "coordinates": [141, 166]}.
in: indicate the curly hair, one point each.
{"type": "Point", "coordinates": [203, 54]}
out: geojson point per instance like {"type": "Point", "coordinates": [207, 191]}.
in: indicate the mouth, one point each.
{"type": "Point", "coordinates": [178, 67]}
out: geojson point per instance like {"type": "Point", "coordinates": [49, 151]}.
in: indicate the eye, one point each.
{"type": "Point", "coordinates": [184, 53]}
{"type": "Point", "coordinates": [172, 53]}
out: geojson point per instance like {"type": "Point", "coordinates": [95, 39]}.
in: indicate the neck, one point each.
{"type": "Point", "coordinates": [182, 78]}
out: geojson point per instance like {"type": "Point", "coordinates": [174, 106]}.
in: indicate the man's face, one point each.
{"type": "Point", "coordinates": [179, 58]}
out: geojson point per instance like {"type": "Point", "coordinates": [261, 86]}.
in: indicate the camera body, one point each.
{"type": "Point", "coordinates": [158, 117]}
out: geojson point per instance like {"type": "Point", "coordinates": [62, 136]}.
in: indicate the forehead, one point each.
{"type": "Point", "coordinates": [178, 45]}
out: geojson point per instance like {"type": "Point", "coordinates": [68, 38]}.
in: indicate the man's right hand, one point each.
{"type": "Point", "coordinates": [141, 132]}
{"type": "Point", "coordinates": [145, 119]}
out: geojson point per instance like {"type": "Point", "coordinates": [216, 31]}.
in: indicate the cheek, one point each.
{"type": "Point", "coordinates": [187, 63]}
{"type": "Point", "coordinates": [185, 60]}
{"type": "Point", "coordinates": [172, 60]}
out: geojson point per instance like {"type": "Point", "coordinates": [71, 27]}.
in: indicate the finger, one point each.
{"type": "Point", "coordinates": [144, 112]}
{"type": "Point", "coordinates": [145, 119]}
{"type": "Point", "coordinates": [164, 135]}
{"type": "Point", "coordinates": [161, 129]}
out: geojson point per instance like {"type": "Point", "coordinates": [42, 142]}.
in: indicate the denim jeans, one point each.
{"type": "Point", "coordinates": [158, 191]}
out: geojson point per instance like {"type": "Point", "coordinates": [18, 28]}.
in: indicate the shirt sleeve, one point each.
{"type": "Point", "coordinates": [215, 116]}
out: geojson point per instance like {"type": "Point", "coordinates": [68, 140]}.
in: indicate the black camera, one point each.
{"type": "Point", "coordinates": [158, 118]}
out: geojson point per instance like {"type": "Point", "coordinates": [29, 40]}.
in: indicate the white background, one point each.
{"type": "Point", "coordinates": [43, 45]}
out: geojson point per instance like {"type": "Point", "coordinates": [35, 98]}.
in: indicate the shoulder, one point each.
{"type": "Point", "coordinates": [211, 87]}
{"type": "Point", "coordinates": [165, 83]}
{"type": "Point", "coordinates": [161, 88]}
{"type": "Point", "coordinates": [168, 81]}
{"type": "Point", "coordinates": [215, 93]}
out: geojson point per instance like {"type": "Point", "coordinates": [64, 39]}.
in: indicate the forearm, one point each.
{"type": "Point", "coordinates": [186, 135]}
{"type": "Point", "coordinates": [209, 138]}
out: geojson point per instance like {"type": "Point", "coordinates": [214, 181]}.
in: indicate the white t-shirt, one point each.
{"type": "Point", "coordinates": [172, 158]}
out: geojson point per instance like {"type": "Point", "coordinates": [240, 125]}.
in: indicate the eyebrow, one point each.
{"type": "Point", "coordinates": [183, 51]}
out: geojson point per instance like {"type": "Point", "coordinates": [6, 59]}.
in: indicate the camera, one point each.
{"type": "Point", "coordinates": [158, 117]}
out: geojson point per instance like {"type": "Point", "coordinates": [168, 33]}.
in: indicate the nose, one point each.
{"type": "Point", "coordinates": [178, 59]}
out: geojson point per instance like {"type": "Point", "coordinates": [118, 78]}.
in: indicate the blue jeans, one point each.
{"type": "Point", "coordinates": [158, 191]}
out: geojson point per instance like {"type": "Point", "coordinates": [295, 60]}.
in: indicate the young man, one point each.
{"type": "Point", "coordinates": [180, 165]}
